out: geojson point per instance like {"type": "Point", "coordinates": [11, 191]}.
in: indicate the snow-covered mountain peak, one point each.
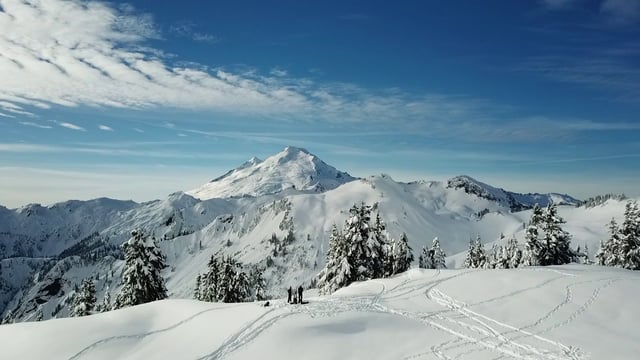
{"type": "Point", "coordinates": [251, 162]}
{"type": "Point", "coordinates": [292, 168]}
{"type": "Point", "coordinates": [515, 201]}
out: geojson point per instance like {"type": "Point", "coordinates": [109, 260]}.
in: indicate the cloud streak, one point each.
{"type": "Point", "coordinates": [188, 30]}
{"type": "Point", "coordinates": [72, 126]}
{"type": "Point", "coordinates": [115, 151]}
{"type": "Point", "coordinates": [622, 12]}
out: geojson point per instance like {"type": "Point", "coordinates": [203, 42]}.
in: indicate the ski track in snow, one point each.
{"type": "Point", "coordinates": [567, 299]}
{"type": "Point", "coordinates": [489, 329]}
{"type": "Point", "coordinates": [328, 308]}
{"type": "Point", "coordinates": [477, 324]}
{"type": "Point", "coordinates": [466, 327]}
{"type": "Point", "coordinates": [94, 345]}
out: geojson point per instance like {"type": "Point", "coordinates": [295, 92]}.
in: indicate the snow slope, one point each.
{"type": "Point", "coordinates": [292, 168]}
{"type": "Point", "coordinates": [564, 313]}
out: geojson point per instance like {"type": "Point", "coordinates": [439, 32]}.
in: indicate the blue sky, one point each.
{"type": "Point", "coordinates": [139, 99]}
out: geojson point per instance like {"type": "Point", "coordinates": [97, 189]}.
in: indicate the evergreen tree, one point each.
{"type": "Point", "coordinates": [476, 256]}
{"type": "Point", "coordinates": [257, 283]}
{"type": "Point", "coordinates": [142, 281]}
{"type": "Point", "coordinates": [360, 252]}
{"type": "Point", "coordinates": [630, 237]}
{"type": "Point", "coordinates": [437, 255]}
{"type": "Point", "coordinates": [106, 301]}
{"type": "Point", "coordinates": [196, 291]}
{"type": "Point", "coordinates": [470, 259]}
{"type": "Point", "coordinates": [425, 260]}
{"type": "Point", "coordinates": [609, 252]}
{"type": "Point", "coordinates": [622, 249]}
{"type": "Point", "coordinates": [556, 244]}
{"type": "Point", "coordinates": [337, 271]}
{"type": "Point", "coordinates": [210, 281]}
{"type": "Point", "coordinates": [514, 254]}
{"type": "Point", "coordinates": [366, 252]}
{"type": "Point", "coordinates": [234, 283]}
{"type": "Point", "coordinates": [84, 300]}
{"type": "Point", "coordinates": [226, 281]}
{"type": "Point", "coordinates": [530, 255]}
{"type": "Point", "coordinates": [402, 255]}
{"type": "Point", "coordinates": [501, 258]}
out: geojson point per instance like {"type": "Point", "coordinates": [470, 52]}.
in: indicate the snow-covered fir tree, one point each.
{"type": "Point", "coordinates": [210, 281]}
{"type": "Point", "coordinates": [226, 281]}
{"type": "Point", "coordinates": [630, 237]}
{"type": "Point", "coordinates": [546, 242]}
{"type": "Point", "coordinates": [402, 255]}
{"type": "Point", "coordinates": [366, 252]}
{"type": "Point", "coordinates": [514, 253]}
{"type": "Point", "coordinates": [437, 255]}
{"type": "Point", "coordinates": [196, 290]}
{"type": "Point", "coordinates": [359, 252]}
{"type": "Point", "coordinates": [106, 301]}
{"type": "Point", "coordinates": [234, 283]}
{"type": "Point", "coordinates": [337, 270]}
{"type": "Point", "coordinates": [476, 255]}
{"type": "Point", "coordinates": [622, 249]}
{"type": "Point", "coordinates": [142, 281]}
{"type": "Point", "coordinates": [425, 259]}
{"type": "Point", "coordinates": [258, 284]}
{"type": "Point", "coordinates": [556, 244]}
{"type": "Point", "coordinates": [532, 242]}
{"type": "Point", "coordinates": [502, 259]}
{"type": "Point", "coordinates": [609, 253]}
{"type": "Point", "coordinates": [84, 300]}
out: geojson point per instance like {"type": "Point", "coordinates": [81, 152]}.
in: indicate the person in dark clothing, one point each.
{"type": "Point", "coordinates": [300, 294]}
{"type": "Point", "coordinates": [290, 292]}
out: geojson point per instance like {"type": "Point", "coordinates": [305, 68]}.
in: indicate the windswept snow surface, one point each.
{"type": "Point", "coordinates": [292, 168]}
{"type": "Point", "coordinates": [564, 313]}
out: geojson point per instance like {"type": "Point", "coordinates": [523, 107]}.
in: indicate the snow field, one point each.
{"type": "Point", "coordinates": [561, 312]}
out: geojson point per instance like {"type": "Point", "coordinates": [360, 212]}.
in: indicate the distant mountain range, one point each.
{"type": "Point", "coordinates": [46, 251]}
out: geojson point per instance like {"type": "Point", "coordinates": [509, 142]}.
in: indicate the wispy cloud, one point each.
{"type": "Point", "coordinates": [189, 30]}
{"type": "Point", "coordinates": [105, 128]}
{"type": "Point", "coordinates": [621, 12]}
{"type": "Point", "coordinates": [608, 69]}
{"type": "Point", "coordinates": [72, 126]}
{"type": "Point", "coordinates": [113, 150]}
{"type": "Point", "coordinates": [586, 159]}
{"type": "Point", "coordinates": [278, 72]}
{"type": "Point", "coordinates": [32, 124]}
{"type": "Point", "coordinates": [558, 4]}
{"type": "Point", "coordinates": [613, 12]}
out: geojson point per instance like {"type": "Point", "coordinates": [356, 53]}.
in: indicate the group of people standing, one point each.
{"type": "Point", "coordinates": [294, 298]}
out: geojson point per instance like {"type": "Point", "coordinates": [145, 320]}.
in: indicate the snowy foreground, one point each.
{"type": "Point", "coordinates": [563, 312]}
